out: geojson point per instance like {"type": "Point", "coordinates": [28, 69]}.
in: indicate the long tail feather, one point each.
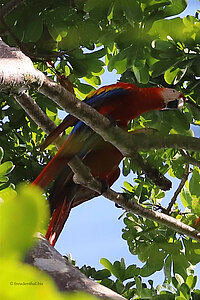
{"type": "Point", "coordinates": [68, 121]}
{"type": "Point", "coordinates": [53, 168]}
{"type": "Point", "coordinates": [58, 220]}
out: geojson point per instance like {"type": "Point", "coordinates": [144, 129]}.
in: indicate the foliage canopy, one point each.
{"type": "Point", "coordinates": [148, 44]}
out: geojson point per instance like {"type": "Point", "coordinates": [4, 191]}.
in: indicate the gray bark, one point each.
{"type": "Point", "coordinates": [67, 277]}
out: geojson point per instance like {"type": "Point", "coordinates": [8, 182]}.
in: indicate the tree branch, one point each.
{"type": "Point", "coordinates": [83, 176]}
{"type": "Point", "coordinates": [37, 115]}
{"type": "Point", "coordinates": [189, 159]}
{"type": "Point", "coordinates": [17, 72]}
{"type": "Point", "coordinates": [181, 185]}
{"type": "Point", "coordinates": [67, 277]}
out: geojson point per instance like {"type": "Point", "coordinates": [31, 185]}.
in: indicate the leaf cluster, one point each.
{"type": "Point", "coordinates": [82, 38]}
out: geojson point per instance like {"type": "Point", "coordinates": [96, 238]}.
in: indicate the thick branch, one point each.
{"type": "Point", "coordinates": [67, 278]}
{"type": "Point", "coordinates": [17, 70]}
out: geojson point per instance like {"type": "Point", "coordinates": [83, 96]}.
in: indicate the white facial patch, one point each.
{"type": "Point", "coordinates": [171, 95]}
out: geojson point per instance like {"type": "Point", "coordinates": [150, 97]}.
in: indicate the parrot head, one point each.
{"type": "Point", "coordinates": [173, 98]}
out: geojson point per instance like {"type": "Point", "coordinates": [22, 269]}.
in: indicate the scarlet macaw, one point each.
{"type": "Point", "coordinates": [121, 102]}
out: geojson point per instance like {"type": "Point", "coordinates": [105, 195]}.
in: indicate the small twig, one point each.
{"type": "Point", "coordinates": [189, 159]}
{"type": "Point", "coordinates": [191, 102]}
{"type": "Point", "coordinates": [178, 190]}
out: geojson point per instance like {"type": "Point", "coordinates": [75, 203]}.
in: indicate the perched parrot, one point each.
{"type": "Point", "coordinates": [120, 102]}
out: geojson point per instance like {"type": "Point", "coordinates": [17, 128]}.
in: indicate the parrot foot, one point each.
{"type": "Point", "coordinates": [113, 122]}
{"type": "Point", "coordinates": [104, 185]}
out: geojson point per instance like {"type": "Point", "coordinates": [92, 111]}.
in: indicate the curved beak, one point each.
{"type": "Point", "coordinates": [177, 103]}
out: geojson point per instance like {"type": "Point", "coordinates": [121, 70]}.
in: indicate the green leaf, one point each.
{"type": "Point", "coordinates": [192, 251]}
{"type": "Point", "coordinates": [101, 274]}
{"type": "Point", "coordinates": [72, 40]}
{"type": "Point", "coordinates": [179, 121]}
{"type": "Point", "coordinates": [21, 216]}
{"type": "Point", "coordinates": [1, 154]}
{"type": "Point", "coordinates": [6, 168]}
{"type": "Point", "coordinates": [119, 287]}
{"type": "Point", "coordinates": [118, 62]}
{"type": "Point", "coordinates": [168, 269]}
{"type": "Point", "coordinates": [194, 185]}
{"type": "Point", "coordinates": [171, 75]}
{"type": "Point", "coordinates": [176, 7]}
{"type": "Point", "coordinates": [126, 166]}
{"type": "Point", "coordinates": [117, 269]}
{"type": "Point", "coordinates": [88, 32]}
{"type": "Point", "coordinates": [85, 88]}
{"type": "Point", "coordinates": [132, 10]}
{"type": "Point", "coordinates": [106, 263]}
{"type": "Point", "coordinates": [154, 262]}
{"type": "Point", "coordinates": [132, 271]}
{"type": "Point", "coordinates": [191, 281]}
{"type": "Point", "coordinates": [139, 285]}
{"type": "Point", "coordinates": [33, 28]}
{"type": "Point", "coordinates": [142, 75]}
{"type": "Point", "coordinates": [165, 28]}
{"type": "Point", "coordinates": [185, 291]}
{"type": "Point", "coordinates": [186, 198]}
{"type": "Point", "coordinates": [22, 281]}
{"type": "Point", "coordinates": [98, 9]}
{"type": "Point", "coordinates": [196, 205]}
{"type": "Point", "coordinates": [160, 67]}
{"type": "Point", "coordinates": [96, 54]}
{"type": "Point", "coordinates": [56, 20]}
{"type": "Point", "coordinates": [180, 265]}
{"type": "Point", "coordinates": [56, 32]}
{"type": "Point", "coordinates": [162, 45]}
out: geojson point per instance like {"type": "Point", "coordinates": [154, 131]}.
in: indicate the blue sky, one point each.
{"type": "Point", "coordinates": [93, 230]}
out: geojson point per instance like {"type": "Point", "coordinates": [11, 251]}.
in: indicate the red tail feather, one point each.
{"type": "Point", "coordinates": [58, 220]}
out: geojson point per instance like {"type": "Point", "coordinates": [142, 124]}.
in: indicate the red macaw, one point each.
{"type": "Point", "coordinates": [121, 102]}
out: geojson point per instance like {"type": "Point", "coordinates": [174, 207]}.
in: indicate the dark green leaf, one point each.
{"type": "Point", "coordinates": [142, 75]}
{"type": "Point", "coordinates": [194, 185]}
{"type": "Point", "coordinates": [176, 7]}
{"type": "Point", "coordinates": [132, 10]}
{"type": "Point", "coordinates": [160, 67]}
